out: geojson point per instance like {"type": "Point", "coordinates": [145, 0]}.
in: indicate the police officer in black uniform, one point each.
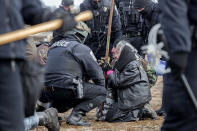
{"type": "Point", "coordinates": [70, 65]}
{"type": "Point", "coordinates": [14, 15]}
{"type": "Point", "coordinates": [179, 22]}
{"type": "Point", "coordinates": [65, 6]}
{"type": "Point", "coordinates": [133, 26]}
{"type": "Point", "coordinates": [138, 17]}
{"type": "Point", "coordinates": [99, 25]}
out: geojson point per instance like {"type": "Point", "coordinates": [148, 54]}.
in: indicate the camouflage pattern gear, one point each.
{"type": "Point", "coordinates": [150, 71]}
{"type": "Point", "coordinates": [82, 29]}
{"type": "Point", "coordinates": [148, 112]}
{"type": "Point", "coordinates": [42, 52]}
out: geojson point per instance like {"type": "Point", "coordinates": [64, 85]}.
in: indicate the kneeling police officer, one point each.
{"type": "Point", "coordinates": [70, 65]}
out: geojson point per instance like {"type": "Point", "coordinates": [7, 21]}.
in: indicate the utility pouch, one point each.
{"type": "Point", "coordinates": [79, 87]}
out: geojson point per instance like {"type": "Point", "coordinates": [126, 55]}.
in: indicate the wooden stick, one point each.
{"type": "Point", "coordinates": [46, 26]}
{"type": "Point", "coordinates": [109, 32]}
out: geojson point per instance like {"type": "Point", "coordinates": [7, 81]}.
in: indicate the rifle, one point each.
{"type": "Point", "coordinates": [46, 26]}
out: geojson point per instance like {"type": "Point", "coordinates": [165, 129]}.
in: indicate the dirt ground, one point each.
{"type": "Point", "coordinates": [142, 125]}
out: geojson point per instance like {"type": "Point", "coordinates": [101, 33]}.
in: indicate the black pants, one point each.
{"type": "Point", "coordinates": [181, 114]}
{"type": "Point", "coordinates": [115, 114]}
{"type": "Point", "coordinates": [64, 99]}
{"type": "Point", "coordinates": [11, 97]}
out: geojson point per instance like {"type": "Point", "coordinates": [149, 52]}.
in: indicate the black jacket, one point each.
{"type": "Point", "coordinates": [177, 17]}
{"type": "Point", "coordinates": [151, 17]}
{"type": "Point", "coordinates": [14, 15]}
{"type": "Point", "coordinates": [68, 59]}
{"type": "Point", "coordinates": [132, 86]}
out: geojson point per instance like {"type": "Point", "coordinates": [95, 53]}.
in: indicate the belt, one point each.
{"type": "Point", "coordinates": [52, 89]}
{"type": "Point", "coordinates": [133, 34]}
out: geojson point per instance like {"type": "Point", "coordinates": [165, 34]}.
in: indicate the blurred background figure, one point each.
{"type": "Point", "coordinates": [179, 22]}
{"type": "Point", "coordinates": [15, 14]}
{"type": "Point", "coordinates": [99, 25]}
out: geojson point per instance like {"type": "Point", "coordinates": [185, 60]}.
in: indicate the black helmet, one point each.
{"type": "Point", "coordinates": [142, 3]}
{"type": "Point", "coordinates": [67, 2]}
{"type": "Point", "coordinates": [81, 31]}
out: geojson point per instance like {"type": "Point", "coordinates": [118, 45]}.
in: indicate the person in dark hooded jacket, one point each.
{"type": "Point", "coordinates": [14, 15]}
{"type": "Point", "coordinates": [128, 87]}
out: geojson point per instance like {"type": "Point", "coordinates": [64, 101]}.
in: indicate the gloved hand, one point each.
{"type": "Point", "coordinates": [110, 78]}
{"type": "Point", "coordinates": [109, 72]}
{"type": "Point", "coordinates": [68, 20]}
{"type": "Point", "coordinates": [178, 61]}
{"type": "Point", "coordinates": [105, 66]}
{"type": "Point", "coordinates": [42, 53]}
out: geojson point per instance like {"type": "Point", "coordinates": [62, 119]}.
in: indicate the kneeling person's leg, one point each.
{"type": "Point", "coordinates": [93, 96]}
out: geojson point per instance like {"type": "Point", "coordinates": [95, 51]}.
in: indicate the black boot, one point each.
{"type": "Point", "coordinates": [148, 112]}
{"type": "Point", "coordinates": [160, 112]}
{"type": "Point", "coordinates": [49, 119]}
{"type": "Point", "coordinates": [41, 106]}
{"type": "Point", "coordinates": [75, 118]}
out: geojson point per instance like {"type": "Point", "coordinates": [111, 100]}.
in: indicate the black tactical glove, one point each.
{"type": "Point", "coordinates": [178, 61]}
{"type": "Point", "coordinates": [68, 20]}
{"type": "Point", "coordinates": [105, 66]}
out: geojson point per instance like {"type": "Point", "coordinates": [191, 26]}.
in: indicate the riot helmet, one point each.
{"type": "Point", "coordinates": [67, 2]}
{"type": "Point", "coordinates": [96, 4]}
{"type": "Point", "coordinates": [80, 32]}
{"type": "Point", "coordinates": [142, 3]}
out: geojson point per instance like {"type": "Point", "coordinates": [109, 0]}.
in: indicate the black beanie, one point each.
{"type": "Point", "coordinates": [142, 3]}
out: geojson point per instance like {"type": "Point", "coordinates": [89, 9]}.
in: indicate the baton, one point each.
{"type": "Point", "coordinates": [189, 90]}
{"type": "Point", "coordinates": [43, 27]}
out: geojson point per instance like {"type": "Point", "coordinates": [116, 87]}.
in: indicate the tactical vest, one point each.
{"type": "Point", "coordinates": [61, 53]}
{"type": "Point", "coordinates": [132, 21]}
{"type": "Point", "coordinates": [99, 23]}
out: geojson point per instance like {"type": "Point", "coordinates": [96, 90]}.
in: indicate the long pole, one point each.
{"type": "Point", "coordinates": [189, 90]}
{"type": "Point", "coordinates": [109, 32]}
{"type": "Point", "coordinates": [107, 46]}
{"type": "Point", "coordinates": [46, 26]}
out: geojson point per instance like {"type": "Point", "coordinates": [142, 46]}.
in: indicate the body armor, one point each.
{"type": "Point", "coordinates": [132, 21]}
